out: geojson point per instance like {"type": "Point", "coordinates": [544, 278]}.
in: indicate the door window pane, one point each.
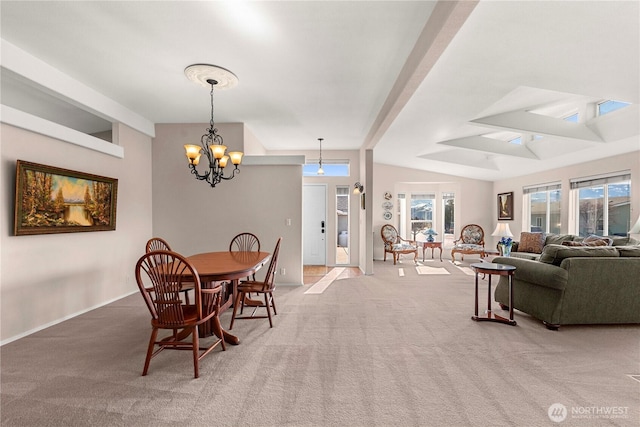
{"type": "Point", "coordinates": [590, 214]}
{"type": "Point", "coordinates": [618, 209]}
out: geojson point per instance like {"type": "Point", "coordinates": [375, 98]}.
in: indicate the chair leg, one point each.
{"type": "Point", "coordinates": [273, 304]}
{"type": "Point", "coordinates": [152, 340]}
{"type": "Point", "coordinates": [394, 258]}
{"type": "Point", "coordinates": [267, 296]}
{"type": "Point", "coordinates": [217, 329]}
{"type": "Point", "coordinates": [239, 295]}
{"type": "Point", "coordinates": [196, 350]}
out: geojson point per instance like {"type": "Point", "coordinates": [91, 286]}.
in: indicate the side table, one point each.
{"type": "Point", "coordinates": [433, 246]}
{"type": "Point", "coordinates": [498, 270]}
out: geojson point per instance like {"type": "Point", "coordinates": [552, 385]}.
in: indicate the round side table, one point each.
{"type": "Point", "coordinates": [492, 269]}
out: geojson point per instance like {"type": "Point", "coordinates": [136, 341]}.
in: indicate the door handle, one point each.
{"type": "Point", "coordinates": [322, 227]}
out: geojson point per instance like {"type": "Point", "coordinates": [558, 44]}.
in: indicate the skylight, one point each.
{"type": "Point", "coordinates": [609, 106]}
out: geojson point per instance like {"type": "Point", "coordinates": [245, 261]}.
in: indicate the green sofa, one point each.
{"type": "Point", "coordinates": [572, 285]}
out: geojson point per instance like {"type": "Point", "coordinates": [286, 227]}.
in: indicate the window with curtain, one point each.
{"type": "Point", "coordinates": [603, 204]}
{"type": "Point", "coordinates": [543, 203]}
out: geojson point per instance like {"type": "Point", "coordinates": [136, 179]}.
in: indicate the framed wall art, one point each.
{"type": "Point", "coordinates": [505, 206]}
{"type": "Point", "coordinates": [54, 200]}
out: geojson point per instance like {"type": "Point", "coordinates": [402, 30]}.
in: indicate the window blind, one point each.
{"type": "Point", "coordinates": [541, 187]}
{"type": "Point", "coordinates": [593, 181]}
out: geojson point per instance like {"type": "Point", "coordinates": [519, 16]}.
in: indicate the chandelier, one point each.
{"type": "Point", "coordinates": [211, 143]}
{"type": "Point", "coordinates": [320, 170]}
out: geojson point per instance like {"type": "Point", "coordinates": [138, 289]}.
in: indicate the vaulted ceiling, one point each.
{"type": "Point", "coordinates": [439, 86]}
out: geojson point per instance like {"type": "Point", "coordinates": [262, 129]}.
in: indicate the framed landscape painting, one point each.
{"type": "Point", "coordinates": [54, 200]}
{"type": "Point", "coordinates": [505, 206]}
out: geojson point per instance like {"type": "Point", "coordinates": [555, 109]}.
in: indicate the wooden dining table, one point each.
{"type": "Point", "coordinates": [226, 266]}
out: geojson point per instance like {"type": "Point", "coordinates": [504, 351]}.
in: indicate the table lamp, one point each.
{"type": "Point", "coordinates": [502, 230]}
{"type": "Point", "coordinates": [430, 232]}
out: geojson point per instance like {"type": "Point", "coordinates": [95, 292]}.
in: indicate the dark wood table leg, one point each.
{"type": "Point", "coordinates": [214, 327]}
{"type": "Point", "coordinates": [476, 311]}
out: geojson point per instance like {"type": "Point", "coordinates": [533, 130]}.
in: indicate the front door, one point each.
{"type": "Point", "coordinates": [314, 239]}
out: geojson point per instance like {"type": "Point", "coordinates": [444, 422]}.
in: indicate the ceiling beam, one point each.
{"type": "Point", "coordinates": [444, 23]}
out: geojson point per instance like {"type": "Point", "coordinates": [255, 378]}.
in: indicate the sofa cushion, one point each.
{"type": "Point", "coordinates": [623, 240]}
{"type": "Point", "coordinates": [531, 242]}
{"type": "Point", "coordinates": [557, 239]}
{"type": "Point", "coordinates": [629, 251]}
{"type": "Point", "coordinates": [555, 254]}
{"type": "Point", "coordinates": [525, 255]}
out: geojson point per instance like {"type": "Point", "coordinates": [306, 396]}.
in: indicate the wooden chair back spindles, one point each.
{"type": "Point", "coordinates": [159, 244]}
{"type": "Point", "coordinates": [247, 242]}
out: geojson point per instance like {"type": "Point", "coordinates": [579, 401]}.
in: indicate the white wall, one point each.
{"type": "Point", "coordinates": [194, 217]}
{"type": "Point", "coordinates": [629, 161]}
{"type": "Point", "coordinates": [474, 198]}
{"type": "Point", "coordinates": [47, 278]}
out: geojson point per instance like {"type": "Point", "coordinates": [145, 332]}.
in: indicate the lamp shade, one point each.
{"type": "Point", "coordinates": [430, 232]}
{"type": "Point", "coordinates": [636, 227]}
{"type": "Point", "coordinates": [502, 230]}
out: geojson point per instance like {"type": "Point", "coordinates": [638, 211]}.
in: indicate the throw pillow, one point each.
{"type": "Point", "coordinates": [572, 243]}
{"type": "Point", "coordinates": [599, 240]}
{"type": "Point", "coordinates": [531, 242]}
{"type": "Point", "coordinates": [558, 239]}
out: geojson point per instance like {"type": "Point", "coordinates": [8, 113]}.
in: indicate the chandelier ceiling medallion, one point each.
{"type": "Point", "coordinates": [211, 143]}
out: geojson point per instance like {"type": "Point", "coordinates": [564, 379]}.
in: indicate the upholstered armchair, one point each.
{"type": "Point", "coordinates": [396, 245]}
{"type": "Point", "coordinates": [471, 241]}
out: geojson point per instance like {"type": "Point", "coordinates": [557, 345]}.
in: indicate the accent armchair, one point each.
{"type": "Point", "coordinates": [471, 241]}
{"type": "Point", "coordinates": [396, 245]}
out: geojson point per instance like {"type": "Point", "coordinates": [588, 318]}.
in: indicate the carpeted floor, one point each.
{"type": "Point", "coordinates": [381, 350]}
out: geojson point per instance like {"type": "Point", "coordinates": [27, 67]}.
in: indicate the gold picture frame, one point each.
{"type": "Point", "coordinates": [55, 200]}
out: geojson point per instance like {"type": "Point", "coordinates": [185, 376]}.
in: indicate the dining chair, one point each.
{"type": "Point", "coordinates": [246, 242]}
{"type": "Point", "coordinates": [158, 244]}
{"type": "Point", "coordinates": [265, 287]}
{"type": "Point", "coordinates": [160, 276]}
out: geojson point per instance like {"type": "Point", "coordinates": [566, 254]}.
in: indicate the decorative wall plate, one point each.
{"type": "Point", "coordinates": [387, 205]}
{"type": "Point", "coordinates": [387, 215]}
{"type": "Point", "coordinates": [387, 196]}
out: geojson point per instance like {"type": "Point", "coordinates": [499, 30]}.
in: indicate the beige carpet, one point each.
{"type": "Point", "coordinates": [379, 350]}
